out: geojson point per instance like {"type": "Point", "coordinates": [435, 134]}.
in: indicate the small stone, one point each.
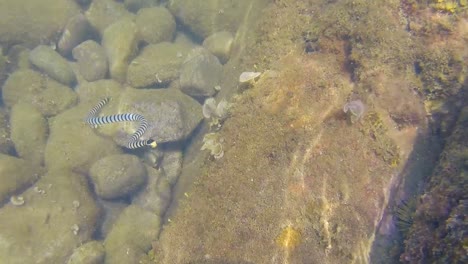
{"type": "Point", "coordinates": [17, 200]}
{"type": "Point", "coordinates": [248, 76]}
{"type": "Point", "coordinates": [50, 62]}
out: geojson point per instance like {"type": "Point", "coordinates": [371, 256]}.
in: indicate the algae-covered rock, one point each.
{"type": "Point", "coordinates": [90, 253]}
{"type": "Point", "coordinates": [200, 73]}
{"type": "Point", "coordinates": [156, 64]}
{"type": "Point", "coordinates": [111, 209]}
{"type": "Point", "coordinates": [32, 22]}
{"type": "Point", "coordinates": [134, 231]}
{"type": "Point", "coordinates": [76, 31]}
{"type": "Point", "coordinates": [95, 91]}
{"type": "Point", "coordinates": [219, 44]}
{"type": "Point", "coordinates": [207, 17]}
{"type": "Point", "coordinates": [171, 163]}
{"type": "Point", "coordinates": [156, 195]}
{"type": "Point", "coordinates": [120, 43]}
{"type": "Point", "coordinates": [171, 115]}
{"type": "Point", "coordinates": [92, 60]}
{"type": "Point", "coordinates": [135, 5]}
{"type": "Point", "coordinates": [117, 176]}
{"type": "Point", "coordinates": [73, 144]}
{"type": "Point", "coordinates": [103, 13]}
{"type": "Point", "coordinates": [50, 62]}
{"type": "Point", "coordinates": [155, 24]}
{"type": "Point", "coordinates": [15, 174]}
{"type": "Point", "coordinates": [58, 215]}
{"type": "Point", "coordinates": [47, 95]}
{"type": "Point", "coordinates": [29, 131]}
{"type": "Point", "coordinates": [5, 143]}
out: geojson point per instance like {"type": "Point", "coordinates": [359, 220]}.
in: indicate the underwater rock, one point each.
{"type": "Point", "coordinates": [89, 253]}
{"type": "Point", "coordinates": [135, 5]}
{"type": "Point", "coordinates": [5, 143]}
{"type": "Point", "coordinates": [73, 144]}
{"type": "Point", "coordinates": [156, 195]}
{"type": "Point", "coordinates": [246, 77]}
{"type": "Point", "coordinates": [47, 95]}
{"type": "Point", "coordinates": [32, 22]}
{"type": "Point", "coordinates": [172, 165]}
{"type": "Point", "coordinates": [120, 43]}
{"type": "Point", "coordinates": [41, 230]}
{"type": "Point", "coordinates": [131, 236]}
{"type": "Point", "coordinates": [29, 131]}
{"type": "Point", "coordinates": [92, 60]}
{"type": "Point", "coordinates": [155, 25]}
{"type": "Point", "coordinates": [171, 115]}
{"type": "Point", "coordinates": [117, 176]}
{"type": "Point", "coordinates": [103, 13]}
{"type": "Point", "coordinates": [219, 44]}
{"type": "Point", "coordinates": [15, 174]}
{"type": "Point", "coordinates": [93, 91]}
{"type": "Point", "coordinates": [50, 62]}
{"type": "Point", "coordinates": [156, 64]}
{"type": "Point", "coordinates": [204, 18]}
{"type": "Point", "coordinates": [200, 73]}
{"type": "Point", "coordinates": [110, 214]}
{"type": "Point", "coordinates": [75, 32]}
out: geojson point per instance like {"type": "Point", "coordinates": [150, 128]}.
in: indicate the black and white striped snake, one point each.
{"type": "Point", "coordinates": [134, 141]}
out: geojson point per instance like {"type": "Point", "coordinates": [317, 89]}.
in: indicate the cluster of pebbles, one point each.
{"type": "Point", "coordinates": [82, 196]}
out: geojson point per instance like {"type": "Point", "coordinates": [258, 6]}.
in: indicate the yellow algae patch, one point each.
{"type": "Point", "coordinates": [289, 238]}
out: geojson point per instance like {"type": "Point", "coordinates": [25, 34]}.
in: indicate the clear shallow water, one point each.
{"type": "Point", "coordinates": [283, 175]}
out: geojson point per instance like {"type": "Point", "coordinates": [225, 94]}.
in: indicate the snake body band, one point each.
{"type": "Point", "coordinates": [134, 141]}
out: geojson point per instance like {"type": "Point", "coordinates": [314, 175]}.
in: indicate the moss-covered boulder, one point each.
{"type": "Point", "coordinates": [103, 13]}
{"type": "Point", "coordinates": [89, 253]}
{"type": "Point", "coordinates": [32, 22]}
{"type": "Point", "coordinates": [120, 43]}
{"type": "Point", "coordinates": [156, 195]}
{"type": "Point", "coordinates": [207, 17]}
{"type": "Point", "coordinates": [29, 130]}
{"type": "Point", "coordinates": [93, 92]}
{"type": "Point", "coordinates": [219, 44]}
{"type": "Point", "coordinates": [15, 174]}
{"type": "Point", "coordinates": [117, 176]}
{"type": "Point", "coordinates": [58, 215]}
{"type": "Point", "coordinates": [155, 24]}
{"type": "Point", "coordinates": [134, 231]}
{"type": "Point", "coordinates": [157, 64]}
{"type": "Point", "coordinates": [51, 63]}
{"type": "Point", "coordinates": [92, 60]}
{"type": "Point", "coordinates": [5, 143]}
{"type": "Point", "coordinates": [47, 95]}
{"type": "Point", "coordinates": [135, 5]}
{"type": "Point", "coordinates": [75, 145]}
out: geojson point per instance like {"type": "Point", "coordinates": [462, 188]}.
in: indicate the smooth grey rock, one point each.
{"type": "Point", "coordinates": [117, 176]}
{"type": "Point", "coordinates": [32, 22]}
{"type": "Point", "coordinates": [15, 174]}
{"type": "Point", "coordinates": [92, 60]}
{"type": "Point", "coordinates": [135, 5]}
{"type": "Point", "coordinates": [103, 13]}
{"type": "Point", "coordinates": [47, 95]}
{"type": "Point", "coordinates": [156, 195]}
{"type": "Point", "coordinates": [58, 215]}
{"type": "Point", "coordinates": [131, 236]}
{"type": "Point", "coordinates": [120, 43]}
{"type": "Point", "coordinates": [155, 24]}
{"type": "Point", "coordinates": [76, 31]}
{"type": "Point", "coordinates": [50, 62]}
{"type": "Point", "coordinates": [220, 44]}
{"type": "Point", "coordinates": [89, 253]}
{"type": "Point", "coordinates": [171, 115]}
{"type": "Point", "coordinates": [156, 64]}
{"type": "Point", "coordinates": [29, 131]}
{"type": "Point", "coordinates": [200, 73]}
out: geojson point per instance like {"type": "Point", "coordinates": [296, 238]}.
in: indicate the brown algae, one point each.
{"type": "Point", "coordinates": [289, 238]}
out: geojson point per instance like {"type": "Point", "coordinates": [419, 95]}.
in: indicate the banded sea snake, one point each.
{"type": "Point", "coordinates": [134, 141]}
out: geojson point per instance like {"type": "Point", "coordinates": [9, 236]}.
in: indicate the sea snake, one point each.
{"type": "Point", "coordinates": [134, 141]}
